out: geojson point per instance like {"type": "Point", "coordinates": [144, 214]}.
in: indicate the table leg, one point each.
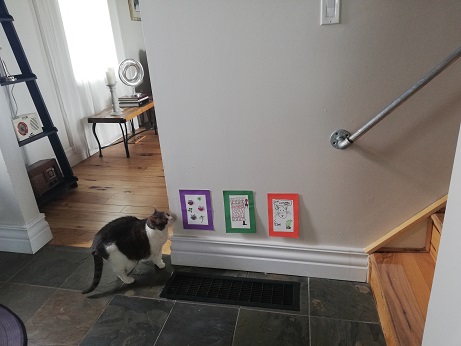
{"type": "Point", "coordinates": [97, 140]}
{"type": "Point", "coordinates": [133, 131]}
{"type": "Point", "coordinates": [125, 139]}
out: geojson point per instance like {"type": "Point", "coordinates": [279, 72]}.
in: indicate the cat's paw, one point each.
{"type": "Point", "coordinates": [161, 265]}
{"type": "Point", "coordinates": [128, 280]}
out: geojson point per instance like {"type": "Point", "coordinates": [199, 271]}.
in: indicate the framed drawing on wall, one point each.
{"type": "Point", "coordinates": [283, 215]}
{"type": "Point", "coordinates": [135, 13]}
{"type": "Point", "coordinates": [239, 212]}
{"type": "Point", "coordinates": [196, 209]}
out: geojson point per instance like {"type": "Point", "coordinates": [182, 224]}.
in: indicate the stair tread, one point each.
{"type": "Point", "coordinates": [405, 280]}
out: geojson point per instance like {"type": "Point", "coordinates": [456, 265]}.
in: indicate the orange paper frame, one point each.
{"type": "Point", "coordinates": [282, 212]}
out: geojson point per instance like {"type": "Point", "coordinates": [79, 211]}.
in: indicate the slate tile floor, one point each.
{"type": "Point", "coordinates": [44, 290]}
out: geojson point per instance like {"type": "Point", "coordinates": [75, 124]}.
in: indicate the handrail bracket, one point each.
{"type": "Point", "coordinates": [340, 139]}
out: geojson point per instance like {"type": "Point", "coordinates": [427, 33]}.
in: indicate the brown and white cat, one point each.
{"type": "Point", "coordinates": [127, 240]}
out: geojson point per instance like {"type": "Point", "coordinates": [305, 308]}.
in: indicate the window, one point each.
{"type": "Point", "coordinates": [90, 38]}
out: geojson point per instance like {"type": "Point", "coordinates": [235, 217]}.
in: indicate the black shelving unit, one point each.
{"type": "Point", "coordinates": [28, 77]}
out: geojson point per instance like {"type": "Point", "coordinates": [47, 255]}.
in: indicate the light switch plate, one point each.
{"type": "Point", "coordinates": [329, 12]}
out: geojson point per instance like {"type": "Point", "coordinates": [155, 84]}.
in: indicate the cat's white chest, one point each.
{"type": "Point", "coordinates": [156, 239]}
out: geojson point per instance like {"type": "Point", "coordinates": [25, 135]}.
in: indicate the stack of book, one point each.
{"type": "Point", "coordinates": [135, 100]}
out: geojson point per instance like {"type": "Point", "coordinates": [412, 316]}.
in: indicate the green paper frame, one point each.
{"type": "Point", "coordinates": [251, 210]}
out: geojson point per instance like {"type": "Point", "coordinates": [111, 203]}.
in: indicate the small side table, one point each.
{"type": "Point", "coordinates": [129, 113]}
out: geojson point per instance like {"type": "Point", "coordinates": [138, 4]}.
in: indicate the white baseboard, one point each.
{"type": "Point", "coordinates": [73, 157]}
{"type": "Point", "coordinates": [28, 238]}
{"type": "Point", "coordinates": [338, 263]}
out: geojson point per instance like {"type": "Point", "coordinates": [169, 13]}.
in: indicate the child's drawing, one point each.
{"type": "Point", "coordinates": [283, 215]}
{"type": "Point", "coordinates": [240, 213]}
{"type": "Point", "coordinates": [196, 209]}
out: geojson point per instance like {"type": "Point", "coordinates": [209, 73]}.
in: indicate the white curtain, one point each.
{"type": "Point", "coordinates": [79, 52]}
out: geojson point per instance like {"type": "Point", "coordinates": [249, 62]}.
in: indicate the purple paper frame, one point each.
{"type": "Point", "coordinates": [186, 224]}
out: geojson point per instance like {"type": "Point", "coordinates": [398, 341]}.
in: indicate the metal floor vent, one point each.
{"type": "Point", "coordinates": [272, 294]}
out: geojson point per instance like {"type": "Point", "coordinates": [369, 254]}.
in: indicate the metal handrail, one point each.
{"type": "Point", "coordinates": [342, 139]}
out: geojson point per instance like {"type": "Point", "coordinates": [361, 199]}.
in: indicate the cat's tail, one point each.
{"type": "Point", "coordinates": [98, 264]}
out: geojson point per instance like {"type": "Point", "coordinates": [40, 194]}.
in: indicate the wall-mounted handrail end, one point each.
{"type": "Point", "coordinates": [340, 139]}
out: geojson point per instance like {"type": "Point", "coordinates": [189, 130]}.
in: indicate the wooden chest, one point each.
{"type": "Point", "coordinates": [43, 176]}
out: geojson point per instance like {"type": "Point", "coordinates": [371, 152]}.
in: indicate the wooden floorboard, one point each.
{"type": "Point", "coordinates": [109, 187]}
{"type": "Point", "coordinates": [402, 282]}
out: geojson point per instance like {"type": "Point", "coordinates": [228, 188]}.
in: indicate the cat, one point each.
{"type": "Point", "coordinates": [127, 240]}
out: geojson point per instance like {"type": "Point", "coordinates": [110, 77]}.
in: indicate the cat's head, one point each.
{"type": "Point", "coordinates": [159, 220]}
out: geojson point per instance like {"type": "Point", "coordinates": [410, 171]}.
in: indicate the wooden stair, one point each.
{"type": "Point", "coordinates": [401, 283]}
{"type": "Point", "coordinates": [436, 232]}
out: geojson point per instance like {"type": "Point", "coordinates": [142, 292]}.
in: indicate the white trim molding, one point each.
{"type": "Point", "coordinates": [333, 263]}
{"type": "Point", "coordinates": [28, 238]}
{"type": "Point", "coordinates": [74, 156]}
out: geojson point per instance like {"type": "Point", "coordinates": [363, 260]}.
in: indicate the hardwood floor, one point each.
{"type": "Point", "coordinates": [109, 187]}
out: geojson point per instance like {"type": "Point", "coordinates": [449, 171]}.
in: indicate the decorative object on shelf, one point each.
{"type": "Point", "coordinates": [239, 211]}
{"type": "Point", "coordinates": [27, 126]}
{"type": "Point", "coordinates": [126, 66]}
{"type": "Point", "coordinates": [196, 209]}
{"type": "Point", "coordinates": [136, 100]}
{"type": "Point", "coordinates": [283, 215]}
{"type": "Point", "coordinates": [135, 13]}
{"type": "Point", "coordinates": [111, 82]}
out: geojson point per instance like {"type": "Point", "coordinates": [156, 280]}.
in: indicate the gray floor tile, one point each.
{"type": "Point", "coordinates": [11, 263]}
{"type": "Point", "coordinates": [83, 276]}
{"type": "Point", "coordinates": [342, 300]}
{"type": "Point", "coordinates": [149, 279]}
{"type": "Point", "coordinates": [198, 325]}
{"type": "Point", "coordinates": [52, 266]}
{"type": "Point", "coordinates": [325, 331]}
{"type": "Point", "coordinates": [129, 321]}
{"type": "Point", "coordinates": [24, 300]}
{"type": "Point", "coordinates": [269, 328]}
{"type": "Point", "coordinates": [64, 319]}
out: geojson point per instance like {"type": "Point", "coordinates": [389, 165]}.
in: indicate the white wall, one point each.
{"type": "Point", "coordinates": [22, 227]}
{"type": "Point", "coordinates": [9, 204]}
{"type": "Point", "coordinates": [131, 30]}
{"type": "Point", "coordinates": [443, 319]}
{"type": "Point", "coordinates": [133, 41]}
{"type": "Point", "coordinates": [248, 93]}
